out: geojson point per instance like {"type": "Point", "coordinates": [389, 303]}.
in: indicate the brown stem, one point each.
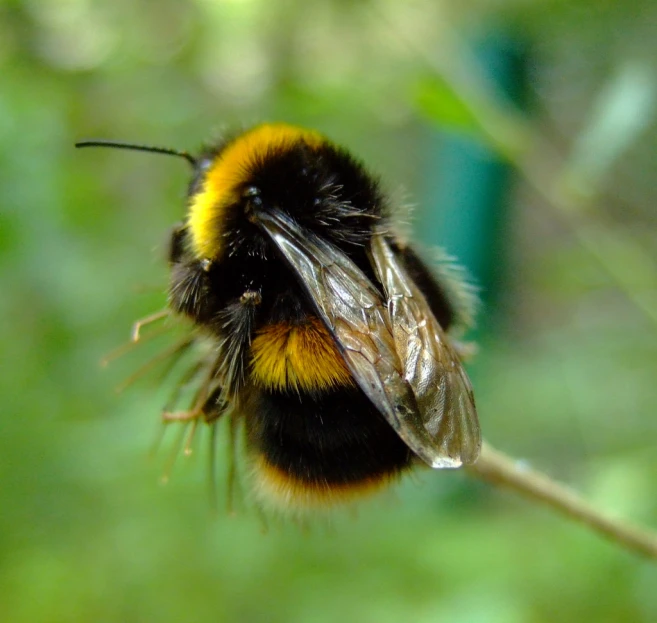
{"type": "Point", "coordinates": [499, 469]}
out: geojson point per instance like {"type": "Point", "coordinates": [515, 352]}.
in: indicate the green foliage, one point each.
{"type": "Point", "coordinates": [566, 379]}
{"type": "Point", "coordinates": [444, 106]}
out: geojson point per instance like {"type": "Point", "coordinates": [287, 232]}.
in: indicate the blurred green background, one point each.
{"type": "Point", "coordinates": [565, 378]}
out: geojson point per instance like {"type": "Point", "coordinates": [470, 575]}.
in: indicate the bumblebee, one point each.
{"type": "Point", "coordinates": [328, 331]}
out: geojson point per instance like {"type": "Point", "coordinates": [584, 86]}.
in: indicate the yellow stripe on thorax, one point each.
{"type": "Point", "coordinates": [231, 169]}
{"type": "Point", "coordinates": [301, 357]}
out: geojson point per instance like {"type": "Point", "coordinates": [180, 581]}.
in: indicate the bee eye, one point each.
{"type": "Point", "coordinates": [252, 201]}
{"type": "Point", "coordinates": [252, 196]}
{"type": "Point", "coordinates": [250, 192]}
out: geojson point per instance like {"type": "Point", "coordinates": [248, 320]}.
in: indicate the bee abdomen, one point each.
{"type": "Point", "coordinates": [309, 452]}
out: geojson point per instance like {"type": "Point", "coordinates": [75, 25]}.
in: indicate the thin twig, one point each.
{"type": "Point", "coordinates": [500, 469]}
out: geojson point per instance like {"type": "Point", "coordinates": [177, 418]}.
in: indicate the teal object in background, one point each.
{"type": "Point", "coordinates": [467, 187]}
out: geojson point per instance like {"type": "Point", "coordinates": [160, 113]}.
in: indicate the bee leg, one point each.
{"type": "Point", "coordinates": [232, 469]}
{"type": "Point", "coordinates": [177, 349]}
{"type": "Point", "coordinates": [142, 322]}
{"type": "Point", "coordinates": [181, 416]}
{"type": "Point", "coordinates": [209, 405]}
{"type": "Point", "coordinates": [235, 324]}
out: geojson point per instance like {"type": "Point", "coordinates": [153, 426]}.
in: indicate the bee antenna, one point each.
{"type": "Point", "coordinates": [155, 150]}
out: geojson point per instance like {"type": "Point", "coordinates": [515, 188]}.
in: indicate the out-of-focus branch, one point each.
{"type": "Point", "coordinates": [499, 469]}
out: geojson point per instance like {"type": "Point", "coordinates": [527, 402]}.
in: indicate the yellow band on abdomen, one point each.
{"type": "Point", "coordinates": [282, 491]}
{"type": "Point", "coordinates": [298, 357]}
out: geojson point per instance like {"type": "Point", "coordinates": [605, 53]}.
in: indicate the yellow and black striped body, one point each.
{"type": "Point", "coordinates": [312, 435]}
{"type": "Point", "coordinates": [315, 438]}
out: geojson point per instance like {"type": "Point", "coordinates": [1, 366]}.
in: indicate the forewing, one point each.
{"type": "Point", "coordinates": [356, 314]}
{"type": "Point", "coordinates": [430, 364]}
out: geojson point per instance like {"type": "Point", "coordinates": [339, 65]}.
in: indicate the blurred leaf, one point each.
{"type": "Point", "coordinates": [442, 104]}
{"type": "Point", "coordinates": [624, 108]}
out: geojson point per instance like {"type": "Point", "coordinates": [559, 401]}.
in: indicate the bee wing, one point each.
{"type": "Point", "coordinates": [357, 316]}
{"type": "Point", "coordinates": [431, 366]}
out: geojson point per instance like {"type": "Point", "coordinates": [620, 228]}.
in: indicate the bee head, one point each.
{"type": "Point", "coordinates": [277, 168]}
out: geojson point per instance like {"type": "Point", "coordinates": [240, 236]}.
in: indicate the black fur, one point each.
{"type": "Point", "coordinates": [325, 190]}
{"type": "Point", "coordinates": [336, 437]}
